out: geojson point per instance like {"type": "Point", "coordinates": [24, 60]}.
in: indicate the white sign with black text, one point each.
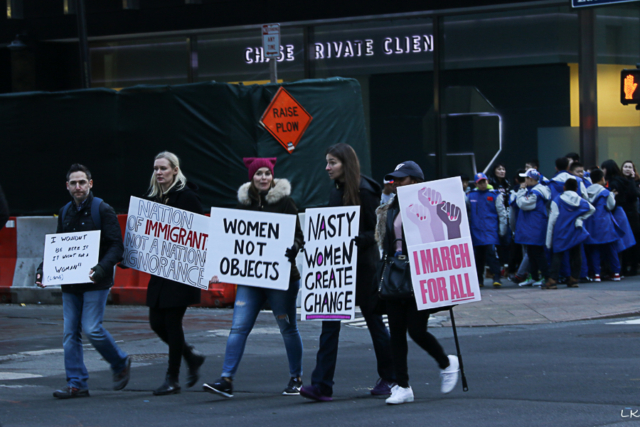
{"type": "Point", "coordinates": [69, 257]}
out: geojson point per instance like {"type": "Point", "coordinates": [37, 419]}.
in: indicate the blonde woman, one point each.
{"type": "Point", "coordinates": [168, 300]}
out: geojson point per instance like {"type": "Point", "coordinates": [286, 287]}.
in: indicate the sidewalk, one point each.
{"type": "Point", "coordinates": [514, 305]}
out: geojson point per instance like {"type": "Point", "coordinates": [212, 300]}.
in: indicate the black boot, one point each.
{"type": "Point", "coordinates": [170, 386]}
{"type": "Point", "coordinates": [194, 360]}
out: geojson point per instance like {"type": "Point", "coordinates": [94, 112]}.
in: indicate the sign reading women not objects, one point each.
{"type": "Point", "coordinates": [443, 268]}
{"type": "Point", "coordinates": [250, 247]}
{"type": "Point", "coordinates": [167, 242]}
{"type": "Point", "coordinates": [69, 257]}
{"type": "Point", "coordinates": [330, 261]}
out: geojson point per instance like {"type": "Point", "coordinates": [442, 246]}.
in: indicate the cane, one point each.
{"type": "Point", "coordinates": [455, 336]}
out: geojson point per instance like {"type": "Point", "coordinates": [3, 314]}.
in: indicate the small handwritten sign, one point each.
{"type": "Point", "coordinates": [69, 257]}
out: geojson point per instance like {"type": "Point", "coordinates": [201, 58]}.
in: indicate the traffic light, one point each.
{"type": "Point", "coordinates": [629, 90]}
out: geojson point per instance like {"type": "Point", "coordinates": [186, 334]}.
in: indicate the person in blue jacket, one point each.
{"type": "Point", "coordinates": [565, 232]}
{"type": "Point", "coordinates": [488, 221]}
{"type": "Point", "coordinates": [532, 222]}
{"type": "Point", "coordinates": [556, 184]}
{"type": "Point", "coordinates": [602, 228]}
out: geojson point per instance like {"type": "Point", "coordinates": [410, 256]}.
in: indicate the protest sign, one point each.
{"type": "Point", "coordinates": [250, 247]}
{"type": "Point", "coordinates": [167, 242]}
{"type": "Point", "coordinates": [69, 257]}
{"type": "Point", "coordinates": [436, 227]}
{"type": "Point", "coordinates": [330, 261]}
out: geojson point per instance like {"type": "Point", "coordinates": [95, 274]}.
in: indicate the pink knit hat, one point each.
{"type": "Point", "coordinates": [255, 163]}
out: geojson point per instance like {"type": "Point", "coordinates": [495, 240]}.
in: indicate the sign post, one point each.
{"type": "Point", "coordinates": [271, 46]}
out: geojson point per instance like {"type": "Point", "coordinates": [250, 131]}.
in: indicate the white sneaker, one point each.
{"type": "Point", "coordinates": [450, 375]}
{"type": "Point", "coordinates": [527, 282]}
{"type": "Point", "coordinates": [400, 395]}
{"type": "Point", "coordinates": [538, 283]}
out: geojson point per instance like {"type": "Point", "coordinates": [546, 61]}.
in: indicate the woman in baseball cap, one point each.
{"type": "Point", "coordinates": [403, 314]}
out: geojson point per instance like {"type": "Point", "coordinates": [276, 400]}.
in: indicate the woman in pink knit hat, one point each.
{"type": "Point", "coordinates": [265, 193]}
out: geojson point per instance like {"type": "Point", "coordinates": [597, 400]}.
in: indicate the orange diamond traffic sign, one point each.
{"type": "Point", "coordinates": [286, 119]}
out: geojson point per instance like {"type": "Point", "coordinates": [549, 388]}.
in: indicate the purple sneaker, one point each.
{"type": "Point", "coordinates": [312, 392]}
{"type": "Point", "coordinates": [382, 387]}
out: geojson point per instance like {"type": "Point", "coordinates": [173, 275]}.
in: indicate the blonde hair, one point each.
{"type": "Point", "coordinates": [179, 181]}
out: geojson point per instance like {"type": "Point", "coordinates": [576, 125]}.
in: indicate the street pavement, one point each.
{"type": "Point", "coordinates": [567, 357]}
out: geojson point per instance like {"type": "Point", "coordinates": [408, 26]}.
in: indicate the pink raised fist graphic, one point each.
{"type": "Point", "coordinates": [431, 199]}
{"type": "Point", "coordinates": [421, 217]}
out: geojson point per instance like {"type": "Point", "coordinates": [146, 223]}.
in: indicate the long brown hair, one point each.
{"type": "Point", "coordinates": [635, 172]}
{"type": "Point", "coordinates": [350, 172]}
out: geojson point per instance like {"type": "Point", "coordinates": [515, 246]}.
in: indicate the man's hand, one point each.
{"type": "Point", "coordinates": [629, 87]}
{"type": "Point", "coordinates": [39, 278]}
{"type": "Point", "coordinates": [451, 217]}
{"type": "Point", "coordinates": [97, 274]}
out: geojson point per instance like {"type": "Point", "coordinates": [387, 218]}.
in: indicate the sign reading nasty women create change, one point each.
{"type": "Point", "coordinates": [167, 242]}
{"type": "Point", "coordinates": [250, 247]}
{"type": "Point", "coordinates": [443, 268]}
{"type": "Point", "coordinates": [69, 257]}
{"type": "Point", "coordinates": [330, 261]}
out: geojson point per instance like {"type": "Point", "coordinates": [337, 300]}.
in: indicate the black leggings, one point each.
{"type": "Point", "coordinates": [167, 324]}
{"type": "Point", "coordinates": [403, 315]}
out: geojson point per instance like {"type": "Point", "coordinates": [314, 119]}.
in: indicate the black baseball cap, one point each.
{"type": "Point", "coordinates": [405, 169]}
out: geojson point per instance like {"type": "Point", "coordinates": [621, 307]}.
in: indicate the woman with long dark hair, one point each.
{"type": "Point", "coordinates": [403, 314]}
{"type": "Point", "coordinates": [266, 194]}
{"type": "Point", "coordinates": [353, 189]}
{"type": "Point", "coordinates": [626, 198]}
{"type": "Point", "coordinates": [168, 300]}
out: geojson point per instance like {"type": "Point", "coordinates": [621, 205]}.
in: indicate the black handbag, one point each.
{"type": "Point", "coordinates": [394, 278]}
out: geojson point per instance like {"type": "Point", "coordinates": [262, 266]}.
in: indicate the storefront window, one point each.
{"type": "Point", "coordinates": [617, 48]}
{"type": "Point", "coordinates": [507, 81]}
{"type": "Point", "coordinates": [161, 61]}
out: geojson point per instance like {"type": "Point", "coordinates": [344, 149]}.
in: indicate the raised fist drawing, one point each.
{"type": "Point", "coordinates": [451, 217]}
{"type": "Point", "coordinates": [421, 217]}
{"type": "Point", "coordinates": [431, 199]}
{"type": "Point", "coordinates": [629, 87]}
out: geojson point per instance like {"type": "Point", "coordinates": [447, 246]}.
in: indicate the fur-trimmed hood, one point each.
{"type": "Point", "coordinates": [381, 223]}
{"type": "Point", "coordinates": [280, 190]}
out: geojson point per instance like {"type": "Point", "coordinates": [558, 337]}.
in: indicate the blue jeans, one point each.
{"type": "Point", "coordinates": [322, 376]}
{"type": "Point", "coordinates": [249, 301]}
{"type": "Point", "coordinates": [83, 312]}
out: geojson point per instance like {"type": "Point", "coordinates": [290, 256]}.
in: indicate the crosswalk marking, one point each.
{"type": "Point", "coordinates": [626, 322]}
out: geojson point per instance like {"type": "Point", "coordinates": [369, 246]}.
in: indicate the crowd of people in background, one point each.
{"type": "Point", "coordinates": [579, 225]}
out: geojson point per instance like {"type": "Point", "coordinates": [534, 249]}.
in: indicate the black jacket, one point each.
{"type": "Point", "coordinates": [111, 247]}
{"type": "Point", "coordinates": [165, 293]}
{"type": "Point", "coordinates": [627, 199]}
{"type": "Point", "coordinates": [277, 200]}
{"type": "Point", "coordinates": [4, 210]}
{"type": "Point", "coordinates": [368, 254]}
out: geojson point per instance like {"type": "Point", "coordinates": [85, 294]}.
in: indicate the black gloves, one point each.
{"type": "Point", "coordinates": [291, 253]}
{"type": "Point", "coordinates": [359, 241]}
{"type": "Point", "coordinates": [98, 274]}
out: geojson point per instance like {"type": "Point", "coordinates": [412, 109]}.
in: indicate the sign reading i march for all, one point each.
{"type": "Point", "coordinates": [443, 268]}
{"type": "Point", "coordinates": [250, 247]}
{"type": "Point", "coordinates": [330, 261]}
{"type": "Point", "coordinates": [167, 242]}
{"type": "Point", "coordinates": [69, 257]}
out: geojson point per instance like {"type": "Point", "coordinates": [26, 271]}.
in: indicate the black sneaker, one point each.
{"type": "Point", "coordinates": [221, 386]}
{"type": "Point", "coordinates": [293, 388]}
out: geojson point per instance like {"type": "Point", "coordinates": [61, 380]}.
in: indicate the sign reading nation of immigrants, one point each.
{"type": "Point", "coordinates": [443, 268]}
{"type": "Point", "coordinates": [167, 242]}
{"type": "Point", "coordinates": [250, 247]}
{"type": "Point", "coordinates": [330, 261]}
{"type": "Point", "coordinates": [69, 257]}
